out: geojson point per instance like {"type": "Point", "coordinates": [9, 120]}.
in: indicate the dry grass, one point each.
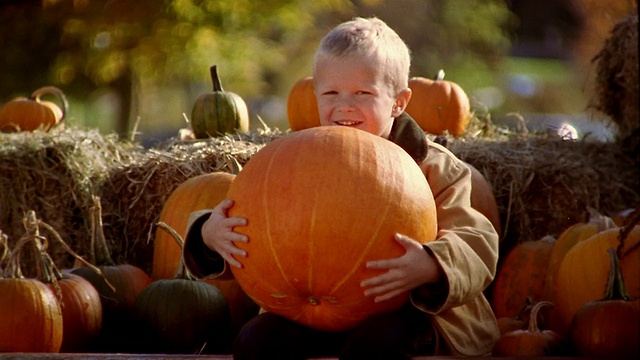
{"type": "Point", "coordinates": [542, 184]}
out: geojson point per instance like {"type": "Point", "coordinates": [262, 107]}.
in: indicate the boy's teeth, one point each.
{"type": "Point", "coordinates": [347, 123]}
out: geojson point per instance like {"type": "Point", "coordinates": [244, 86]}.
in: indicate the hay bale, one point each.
{"type": "Point", "coordinates": [616, 84]}
{"type": "Point", "coordinates": [133, 195]}
{"type": "Point", "coordinates": [543, 184]}
{"type": "Point", "coordinates": [55, 173]}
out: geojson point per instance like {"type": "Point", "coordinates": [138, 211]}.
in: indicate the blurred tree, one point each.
{"type": "Point", "coordinates": [261, 47]}
{"type": "Point", "coordinates": [123, 44]}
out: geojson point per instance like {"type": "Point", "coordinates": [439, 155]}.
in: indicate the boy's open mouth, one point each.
{"type": "Point", "coordinates": [347, 122]}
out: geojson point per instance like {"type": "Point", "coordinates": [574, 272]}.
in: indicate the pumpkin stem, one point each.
{"type": "Point", "coordinates": [54, 91]}
{"type": "Point", "coordinates": [100, 256]}
{"type": "Point", "coordinates": [439, 75]}
{"type": "Point", "coordinates": [58, 238]}
{"type": "Point", "coordinates": [616, 289]}
{"type": "Point", "coordinates": [217, 85]}
{"type": "Point", "coordinates": [533, 316]}
{"type": "Point", "coordinates": [528, 303]}
{"type": "Point", "coordinates": [182, 272]}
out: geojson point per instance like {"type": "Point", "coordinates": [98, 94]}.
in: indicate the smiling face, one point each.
{"type": "Point", "coordinates": [354, 93]}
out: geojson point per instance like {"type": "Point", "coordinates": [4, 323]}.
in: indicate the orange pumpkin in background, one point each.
{"type": "Point", "coordinates": [610, 326]}
{"type": "Point", "coordinates": [28, 114]}
{"type": "Point", "coordinates": [320, 203]}
{"type": "Point", "coordinates": [439, 106]}
{"type": "Point", "coordinates": [197, 193]}
{"type": "Point", "coordinates": [483, 199]}
{"type": "Point", "coordinates": [583, 273]}
{"type": "Point", "coordinates": [302, 105]}
{"type": "Point", "coordinates": [521, 275]}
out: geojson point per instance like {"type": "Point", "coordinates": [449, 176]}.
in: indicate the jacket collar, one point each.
{"type": "Point", "coordinates": [407, 134]}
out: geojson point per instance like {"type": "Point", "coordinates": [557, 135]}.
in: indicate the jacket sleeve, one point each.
{"type": "Point", "coordinates": [466, 246]}
{"type": "Point", "coordinates": [199, 259]}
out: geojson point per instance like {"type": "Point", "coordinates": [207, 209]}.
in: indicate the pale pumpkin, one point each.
{"type": "Point", "coordinates": [568, 239]}
{"type": "Point", "coordinates": [219, 112]}
{"type": "Point", "coordinates": [584, 272]}
{"type": "Point", "coordinates": [28, 114]}
{"type": "Point", "coordinates": [320, 203]}
{"type": "Point", "coordinates": [439, 106]}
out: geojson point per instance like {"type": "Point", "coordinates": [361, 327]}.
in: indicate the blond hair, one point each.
{"type": "Point", "coordinates": [369, 39]}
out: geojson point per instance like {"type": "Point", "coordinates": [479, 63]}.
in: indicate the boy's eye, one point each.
{"type": "Point", "coordinates": [363, 92]}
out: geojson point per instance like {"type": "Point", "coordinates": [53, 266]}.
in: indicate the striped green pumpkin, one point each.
{"type": "Point", "coordinates": [219, 112]}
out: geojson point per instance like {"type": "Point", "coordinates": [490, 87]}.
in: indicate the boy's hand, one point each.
{"type": "Point", "coordinates": [217, 233]}
{"type": "Point", "coordinates": [415, 268]}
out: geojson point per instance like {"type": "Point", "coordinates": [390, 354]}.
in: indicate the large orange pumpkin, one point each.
{"type": "Point", "coordinates": [584, 272]}
{"type": "Point", "coordinates": [302, 105]}
{"type": "Point", "coordinates": [320, 203]}
{"type": "Point", "coordinates": [439, 105]}
{"type": "Point", "coordinates": [28, 114]}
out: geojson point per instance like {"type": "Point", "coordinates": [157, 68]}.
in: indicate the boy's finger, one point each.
{"type": "Point", "coordinates": [232, 261]}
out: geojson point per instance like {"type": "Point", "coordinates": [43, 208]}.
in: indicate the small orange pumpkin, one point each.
{"type": "Point", "coordinates": [28, 114]}
{"type": "Point", "coordinates": [439, 106]}
{"type": "Point", "coordinates": [302, 105]}
{"type": "Point", "coordinates": [609, 327]}
{"type": "Point", "coordinates": [531, 341]}
{"type": "Point", "coordinates": [320, 203]}
{"type": "Point", "coordinates": [30, 312]}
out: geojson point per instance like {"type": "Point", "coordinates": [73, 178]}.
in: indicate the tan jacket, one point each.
{"type": "Point", "coordinates": [466, 248]}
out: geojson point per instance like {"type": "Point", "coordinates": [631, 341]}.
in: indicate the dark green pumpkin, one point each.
{"type": "Point", "coordinates": [219, 112]}
{"type": "Point", "coordinates": [182, 316]}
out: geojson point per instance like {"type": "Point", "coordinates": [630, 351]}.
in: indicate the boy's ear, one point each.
{"type": "Point", "coordinates": [401, 102]}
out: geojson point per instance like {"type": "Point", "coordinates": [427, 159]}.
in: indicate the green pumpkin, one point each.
{"type": "Point", "coordinates": [219, 112]}
{"type": "Point", "coordinates": [182, 315]}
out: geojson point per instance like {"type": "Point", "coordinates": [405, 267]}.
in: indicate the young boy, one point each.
{"type": "Point", "coordinates": [361, 72]}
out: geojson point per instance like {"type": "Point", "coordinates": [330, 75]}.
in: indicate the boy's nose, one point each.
{"type": "Point", "coordinates": [345, 103]}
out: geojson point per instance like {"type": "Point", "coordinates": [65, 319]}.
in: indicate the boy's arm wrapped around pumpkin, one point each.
{"type": "Point", "coordinates": [199, 259]}
{"type": "Point", "coordinates": [466, 247]}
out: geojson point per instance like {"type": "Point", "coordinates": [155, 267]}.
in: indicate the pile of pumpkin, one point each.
{"type": "Point", "coordinates": [586, 280]}
{"type": "Point", "coordinates": [100, 306]}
